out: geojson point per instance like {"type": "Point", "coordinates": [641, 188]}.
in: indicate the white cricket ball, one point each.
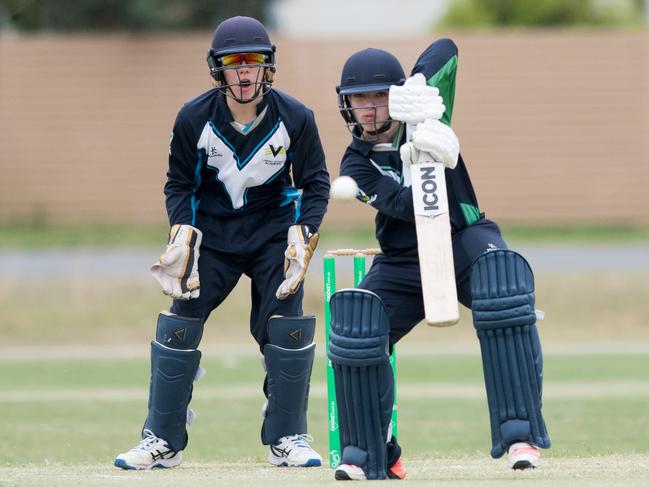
{"type": "Point", "coordinates": [344, 188]}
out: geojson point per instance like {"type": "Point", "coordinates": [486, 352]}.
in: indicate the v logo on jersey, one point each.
{"type": "Point", "coordinates": [237, 175]}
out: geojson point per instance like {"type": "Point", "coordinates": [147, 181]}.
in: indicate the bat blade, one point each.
{"type": "Point", "coordinates": [434, 243]}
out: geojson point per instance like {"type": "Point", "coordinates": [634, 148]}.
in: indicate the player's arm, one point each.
{"type": "Point", "coordinates": [378, 189]}
{"type": "Point", "coordinates": [183, 179]}
{"type": "Point", "coordinates": [311, 176]}
{"type": "Point", "coordinates": [177, 268]}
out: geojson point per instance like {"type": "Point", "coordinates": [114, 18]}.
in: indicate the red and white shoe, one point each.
{"type": "Point", "coordinates": [397, 471]}
{"type": "Point", "coordinates": [522, 456]}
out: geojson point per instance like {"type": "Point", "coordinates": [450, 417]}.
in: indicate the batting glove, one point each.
{"type": "Point", "coordinates": [415, 101]}
{"type": "Point", "coordinates": [432, 140]}
{"type": "Point", "coordinates": [301, 244]}
{"type": "Point", "coordinates": [177, 268]}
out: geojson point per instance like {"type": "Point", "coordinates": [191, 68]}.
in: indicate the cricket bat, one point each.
{"type": "Point", "coordinates": [434, 242]}
{"type": "Point", "coordinates": [438, 65]}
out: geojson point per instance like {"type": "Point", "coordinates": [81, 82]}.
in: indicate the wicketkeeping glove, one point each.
{"type": "Point", "coordinates": [435, 139]}
{"type": "Point", "coordinates": [301, 244]}
{"type": "Point", "coordinates": [177, 268]}
{"type": "Point", "coordinates": [415, 101]}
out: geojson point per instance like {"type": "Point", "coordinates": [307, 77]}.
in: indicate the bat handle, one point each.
{"type": "Point", "coordinates": [425, 158]}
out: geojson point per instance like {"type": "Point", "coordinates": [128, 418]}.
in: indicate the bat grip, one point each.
{"type": "Point", "coordinates": [425, 158]}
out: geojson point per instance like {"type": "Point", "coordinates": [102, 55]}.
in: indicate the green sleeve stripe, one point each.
{"type": "Point", "coordinates": [444, 80]}
{"type": "Point", "coordinates": [470, 212]}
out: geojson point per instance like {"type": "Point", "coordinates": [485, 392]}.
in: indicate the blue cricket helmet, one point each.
{"type": "Point", "coordinates": [367, 71]}
{"type": "Point", "coordinates": [240, 35]}
{"type": "Point", "coordinates": [370, 70]}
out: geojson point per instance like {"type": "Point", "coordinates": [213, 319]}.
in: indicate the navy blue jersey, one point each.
{"type": "Point", "coordinates": [222, 169]}
{"type": "Point", "coordinates": [377, 169]}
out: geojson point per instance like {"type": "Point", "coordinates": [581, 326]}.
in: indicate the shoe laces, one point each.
{"type": "Point", "coordinates": [148, 440]}
{"type": "Point", "coordinates": [300, 441]}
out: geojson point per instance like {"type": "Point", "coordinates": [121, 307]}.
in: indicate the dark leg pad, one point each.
{"type": "Point", "coordinates": [358, 350]}
{"type": "Point", "coordinates": [288, 359]}
{"type": "Point", "coordinates": [172, 379]}
{"type": "Point", "coordinates": [502, 287]}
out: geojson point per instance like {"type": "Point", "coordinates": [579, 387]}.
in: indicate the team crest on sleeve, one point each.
{"type": "Point", "coordinates": [366, 198]}
{"type": "Point", "coordinates": [239, 172]}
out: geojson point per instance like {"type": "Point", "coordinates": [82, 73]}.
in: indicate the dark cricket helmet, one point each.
{"type": "Point", "coordinates": [241, 35]}
{"type": "Point", "coordinates": [367, 71]}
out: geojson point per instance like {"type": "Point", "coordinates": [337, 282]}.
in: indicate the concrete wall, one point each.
{"type": "Point", "coordinates": [554, 126]}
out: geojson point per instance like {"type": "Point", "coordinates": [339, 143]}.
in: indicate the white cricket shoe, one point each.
{"type": "Point", "coordinates": [522, 456]}
{"type": "Point", "coordinates": [346, 471]}
{"type": "Point", "coordinates": [294, 451]}
{"type": "Point", "coordinates": [152, 452]}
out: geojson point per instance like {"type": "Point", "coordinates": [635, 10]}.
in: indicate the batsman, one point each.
{"type": "Point", "coordinates": [247, 188]}
{"type": "Point", "coordinates": [496, 283]}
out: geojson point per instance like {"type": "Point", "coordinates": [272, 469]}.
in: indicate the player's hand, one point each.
{"type": "Point", "coordinates": [432, 140]}
{"type": "Point", "coordinates": [177, 268]}
{"type": "Point", "coordinates": [415, 101]}
{"type": "Point", "coordinates": [301, 244]}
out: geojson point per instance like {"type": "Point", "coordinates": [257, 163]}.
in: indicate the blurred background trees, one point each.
{"type": "Point", "coordinates": [164, 15]}
{"type": "Point", "coordinates": [544, 13]}
{"type": "Point", "coordinates": [124, 15]}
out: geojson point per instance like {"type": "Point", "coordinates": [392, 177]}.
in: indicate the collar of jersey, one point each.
{"type": "Point", "coordinates": [242, 163]}
{"type": "Point", "coordinates": [245, 130]}
{"type": "Point", "coordinates": [224, 112]}
{"type": "Point", "coordinates": [366, 148]}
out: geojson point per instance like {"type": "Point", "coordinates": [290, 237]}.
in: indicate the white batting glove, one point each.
{"type": "Point", "coordinates": [415, 101]}
{"type": "Point", "coordinates": [436, 140]}
{"type": "Point", "coordinates": [301, 244]}
{"type": "Point", "coordinates": [177, 268]}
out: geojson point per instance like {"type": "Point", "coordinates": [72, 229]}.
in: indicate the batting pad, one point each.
{"type": "Point", "coordinates": [172, 378]}
{"type": "Point", "coordinates": [358, 350]}
{"type": "Point", "coordinates": [502, 287]}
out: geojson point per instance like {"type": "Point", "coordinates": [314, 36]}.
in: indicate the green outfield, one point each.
{"type": "Point", "coordinates": [43, 235]}
{"type": "Point", "coordinates": [74, 382]}
{"type": "Point", "coordinates": [59, 413]}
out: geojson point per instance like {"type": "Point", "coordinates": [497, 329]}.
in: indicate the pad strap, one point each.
{"type": "Point", "coordinates": [291, 332]}
{"type": "Point", "coordinates": [178, 332]}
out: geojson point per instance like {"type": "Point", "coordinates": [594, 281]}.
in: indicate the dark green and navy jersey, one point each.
{"type": "Point", "coordinates": [377, 169]}
{"type": "Point", "coordinates": [222, 169]}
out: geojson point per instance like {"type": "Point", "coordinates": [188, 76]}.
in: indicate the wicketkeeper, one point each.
{"type": "Point", "coordinates": [247, 188]}
{"type": "Point", "coordinates": [375, 99]}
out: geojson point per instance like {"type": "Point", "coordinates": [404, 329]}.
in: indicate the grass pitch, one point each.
{"type": "Point", "coordinates": [74, 382]}
{"type": "Point", "coordinates": [67, 418]}
{"type": "Point", "coordinates": [612, 470]}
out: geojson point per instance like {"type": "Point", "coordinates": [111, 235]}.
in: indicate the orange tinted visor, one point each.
{"type": "Point", "coordinates": [243, 58]}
